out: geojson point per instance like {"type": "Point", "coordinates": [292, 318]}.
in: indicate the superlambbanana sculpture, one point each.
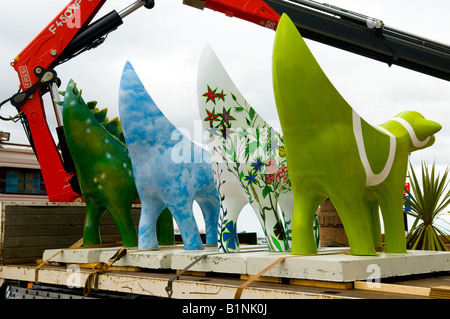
{"type": "Point", "coordinates": [334, 153]}
{"type": "Point", "coordinates": [103, 167]}
{"type": "Point", "coordinates": [248, 159]}
{"type": "Point", "coordinates": [164, 177]}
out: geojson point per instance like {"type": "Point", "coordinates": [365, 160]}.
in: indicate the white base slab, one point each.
{"type": "Point", "coordinates": [251, 260]}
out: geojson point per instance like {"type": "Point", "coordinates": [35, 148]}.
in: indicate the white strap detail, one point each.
{"type": "Point", "coordinates": [416, 142]}
{"type": "Point", "coordinates": [373, 179]}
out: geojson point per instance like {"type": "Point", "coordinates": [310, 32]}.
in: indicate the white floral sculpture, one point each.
{"type": "Point", "coordinates": [247, 157]}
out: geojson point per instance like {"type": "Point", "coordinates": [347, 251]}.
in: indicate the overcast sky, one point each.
{"type": "Point", "coordinates": [164, 46]}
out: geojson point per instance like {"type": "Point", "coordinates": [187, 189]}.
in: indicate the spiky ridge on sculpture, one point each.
{"type": "Point", "coordinates": [114, 126]}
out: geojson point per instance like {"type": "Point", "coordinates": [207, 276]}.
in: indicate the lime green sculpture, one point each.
{"type": "Point", "coordinates": [333, 153]}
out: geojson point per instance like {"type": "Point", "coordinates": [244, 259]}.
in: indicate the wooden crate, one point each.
{"type": "Point", "coordinates": [27, 229]}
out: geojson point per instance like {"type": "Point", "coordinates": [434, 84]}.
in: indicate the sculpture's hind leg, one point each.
{"type": "Point", "coordinates": [91, 231]}
{"type": "Point", "coordinates": [355, 219]}
{"type": "Point", "coordinates": [391, 204]}
{"type": "Point", "coordinates": [210, 207]}
{"type": "Point", "coordinates": [371, 205]}
{"type": "Point", "coordinates": [230, 208]}
{"type": "Point", "coordinates": [271, 221]}
{"type": "Point", "coordinates": [150, 211]}
{"type": "Point", "coordinates": [124, 222]}
{"type": "Point", "coordinates": [305, 211]}
{"type": "Point", "coordinates": [184, 217]}
{"type": "Point", "coordinates": [286, 202]}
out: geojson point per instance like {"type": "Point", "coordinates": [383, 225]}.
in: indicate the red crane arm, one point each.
{"type": "Point", "coordinates": [256, 11]}
{"type": "Point", "coordinates": [31, 65]}
{"type": "Point", "coordinates": [35, 63]}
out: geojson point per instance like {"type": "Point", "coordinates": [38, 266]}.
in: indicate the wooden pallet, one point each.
{"type": "Point", "coordinates": [322, 284]}
{"type": "Point", "coordinates": [440, 292]}
{"type": "Point", "coordinates": [303, 282]}
{"type": "Point", "coordinates": [436, 292]}
{"type": "Point", "coordinates": [392, 288]}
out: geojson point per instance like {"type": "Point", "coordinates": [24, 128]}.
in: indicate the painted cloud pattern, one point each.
{"type": "Point", "coordinates": [165, 177]}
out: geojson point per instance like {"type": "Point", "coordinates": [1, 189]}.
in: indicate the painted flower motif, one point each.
{"type": "Point", "coordinates": [282, 151]}
{"type": "Point", "coordinates": [278, 230]}
{"type": "Point", "coordinates": [270, 178]}
{"type": "Point", "coordinates": [282, 173]}
{"type": "Point", "coordinates": [250, 178]}
{"type": "Point", "coordinates": [211, 95]}
{"type": "Point", "coordinates": [274, 145]}
{"type": "Point", "coordinates": [225, 131]}
{"type": "Point", "coordinates": [286, 173]}
{"type": "Point", "coordinates": [226, 117]}
{"type": "Point", "coordinates": [221, 96]}
{"type": "Point", "coordinates": [230, 236]}
{"type": "Point", "coordinates": [257, 166]}
{"type": "Point", "coordinates": [213, 131]}
{"type": "Point", "coordinates": [271, 166]}
{"type": "Point", "coordinates": [211, 117]}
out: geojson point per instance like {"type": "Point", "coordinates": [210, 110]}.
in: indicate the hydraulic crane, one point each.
{"type": "Point", "coordinates": [72, 32]}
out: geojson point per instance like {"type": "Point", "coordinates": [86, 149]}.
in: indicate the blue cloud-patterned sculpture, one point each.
{"type": "Point", "coordinates": [165, 177]}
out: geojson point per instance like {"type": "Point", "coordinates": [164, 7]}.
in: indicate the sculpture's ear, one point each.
{"type": "Point", "coordinates": [424, 128]}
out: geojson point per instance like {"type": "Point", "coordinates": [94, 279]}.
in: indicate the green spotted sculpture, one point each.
{"type": "Point", "coordinates": [103, 167]}
{"type": "Point", "coordinates": [333, 153]}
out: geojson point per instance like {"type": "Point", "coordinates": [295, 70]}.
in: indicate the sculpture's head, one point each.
{"type": "Point", "coordinates": [420, 130]}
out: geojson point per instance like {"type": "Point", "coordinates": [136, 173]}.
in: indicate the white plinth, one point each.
{"type": "Point", "coordinates": [339, 267]}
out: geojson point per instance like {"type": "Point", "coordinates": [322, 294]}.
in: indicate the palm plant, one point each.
{"type": "Point", "coordinates": [426, 203]}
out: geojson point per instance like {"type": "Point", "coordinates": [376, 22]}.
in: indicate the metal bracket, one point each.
{"type": "Point", "coordinates": [169, 289]}
{"type": "Point", "coordinates": [16, 118]}
{"type": "Point", "coordinates": [118, 255]}
{"type": "Point", "coordinates": [45, 77]}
